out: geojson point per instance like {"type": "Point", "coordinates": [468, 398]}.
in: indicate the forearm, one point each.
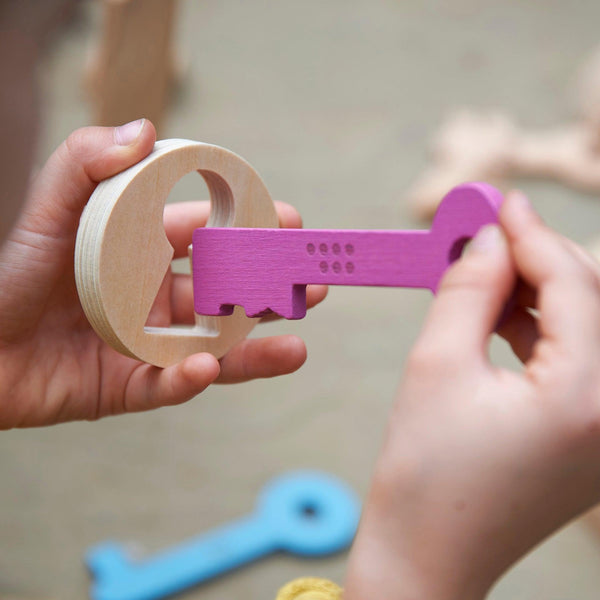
{"type": "Point", "coordinates": [394, 559]}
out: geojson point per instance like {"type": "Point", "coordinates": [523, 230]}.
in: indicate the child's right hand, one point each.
{"type": "Point", "coordinates": [482, 463]}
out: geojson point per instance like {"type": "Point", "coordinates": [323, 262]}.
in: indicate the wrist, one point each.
{"type": "Point", "coordinates": [377, 573]}
{"type": "Point", "coordinates": [398, 555]}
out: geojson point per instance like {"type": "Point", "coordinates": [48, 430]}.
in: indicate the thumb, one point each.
{"type": "Point", "coordinates": [470, 298]}
{"type": "Point", "coordinates": [89, 155]}
{"type": "Point", "coordinates": [39, 250]}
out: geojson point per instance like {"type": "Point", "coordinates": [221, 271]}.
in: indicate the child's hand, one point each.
{"type": "Point", "coordinates": [482, 463]}
{"type": "Point", "coordinates": [53, 367]}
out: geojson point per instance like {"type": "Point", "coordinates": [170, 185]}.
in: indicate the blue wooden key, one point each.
{"type": "Point", "coordinates": [305, 512]}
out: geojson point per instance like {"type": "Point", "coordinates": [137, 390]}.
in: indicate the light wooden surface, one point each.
{"type": "Point", "coordinates": [132, 70]}
{"type": "Point", "coordinates": [122, 252]}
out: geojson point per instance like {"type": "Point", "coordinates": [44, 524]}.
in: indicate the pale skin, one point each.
{"type": "Point", "coordinates": [481, 463]}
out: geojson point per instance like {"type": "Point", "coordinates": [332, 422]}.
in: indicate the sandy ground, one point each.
{"type": "Point", "coordinates": [332, 102]}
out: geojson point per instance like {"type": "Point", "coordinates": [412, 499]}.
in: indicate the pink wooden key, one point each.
{"type": "Point", "coordinates": [267, 270]}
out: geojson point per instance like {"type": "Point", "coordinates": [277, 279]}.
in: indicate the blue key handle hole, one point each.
{"type": "Point", "coordinates": [309, 510]}
{"type": "Point", "coordinates": [310, 513]}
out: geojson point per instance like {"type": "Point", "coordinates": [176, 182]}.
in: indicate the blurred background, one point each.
{"type": "Point", "coordinates": [333, 103]}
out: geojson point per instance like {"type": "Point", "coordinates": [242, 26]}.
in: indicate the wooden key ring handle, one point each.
{"type": "Point", "coordinates": [122, 252]}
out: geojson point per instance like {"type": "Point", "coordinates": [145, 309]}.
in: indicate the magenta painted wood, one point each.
{"type": "Point", "coordinates": [268, 269]}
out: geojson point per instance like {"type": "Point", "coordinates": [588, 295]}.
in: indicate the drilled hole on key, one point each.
{"type": "Point", "coordinates": [458, 248]}
{"type": "Point", "coordinates": [310, 248]}
{"type": "Point", "coordinates": [309, 510]}
{"type": "Point", "coordinates": [323, 248]}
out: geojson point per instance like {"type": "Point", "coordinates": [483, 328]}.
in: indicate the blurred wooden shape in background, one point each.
{"type": "Point", "coordinates": [132, 69]}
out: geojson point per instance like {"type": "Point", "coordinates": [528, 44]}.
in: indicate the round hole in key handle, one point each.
{"type": "Point", "coordinates": [241, 259]}
{"type": "Point", "coordinates": [458, 203]}
{"type": "Point", "coordinates": [458, 248]}
{"type": "Point", "coordinates": [309, 510]}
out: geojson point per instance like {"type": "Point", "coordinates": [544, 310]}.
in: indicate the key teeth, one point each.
{"type": "Point", "coordinates": [213, 310]}
{"type": "Point", "coordinates": [259, 314]}
{"type": "Point", "coordinates": [256, 311]}
{"type": "Point", "coordinates": [293, 307]}
{"type": "Point", "coordinates": [287, 312]}
{"type": "Point", "coordinates": [225, 310]}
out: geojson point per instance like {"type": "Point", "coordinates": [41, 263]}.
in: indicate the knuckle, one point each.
{"type": "Point", "coordinates": [80, 146]}
{"type": "Point", "coordinates": [571, 388]}
{"type": "Point", "coordinates": [75, 141]}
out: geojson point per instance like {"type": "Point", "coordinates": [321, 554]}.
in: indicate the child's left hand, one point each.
{"type": "Point", "coordinates": [53, 366]}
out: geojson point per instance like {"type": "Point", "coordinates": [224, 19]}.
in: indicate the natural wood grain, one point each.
{"type": "Point", "coordinates": [122, 252]}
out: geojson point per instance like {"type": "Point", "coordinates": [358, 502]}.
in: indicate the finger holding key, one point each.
{"type": "Point", "coordinates": [471, 298]}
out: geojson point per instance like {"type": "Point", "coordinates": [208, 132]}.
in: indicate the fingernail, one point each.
{"type": "Point", "coordinates": [125, 135]}
{"type": "Point", "coordinates": [488, 239]}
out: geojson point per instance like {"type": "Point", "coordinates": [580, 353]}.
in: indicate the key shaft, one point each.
{"type": "Point", "coordinates": [187, 564]}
